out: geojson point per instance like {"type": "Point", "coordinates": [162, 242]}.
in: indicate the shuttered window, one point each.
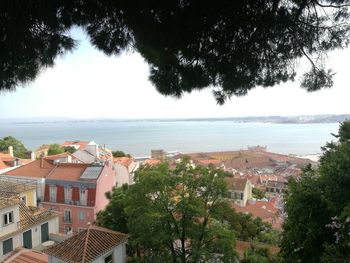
{"type": "Point", "coordinates": [7, 246]}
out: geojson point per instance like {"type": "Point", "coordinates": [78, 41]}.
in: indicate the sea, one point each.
{"type": "Point", "coordinates": [138, 137]}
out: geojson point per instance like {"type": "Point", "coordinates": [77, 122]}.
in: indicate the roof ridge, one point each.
{"type": "Point", "coordinates": [52, 170]}
{"type": "Point", "coordinates": [86, 243]}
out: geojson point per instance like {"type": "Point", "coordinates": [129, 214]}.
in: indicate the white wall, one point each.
{"type": "Point", "coordinates": [119, 255]}
{"type": "Point", "coordinates": [13, 226]}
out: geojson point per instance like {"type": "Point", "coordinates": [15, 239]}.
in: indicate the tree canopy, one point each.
{"type": "Point", "coordinates": [55, 149]}
{"type": "Point", "coordinates": [230, 46]}
{"type": "Point", "coordinates": [19, 150]}
{"type": "Point", "coordinates": [180, 215]}
{"type": "Point", "coordinates": [318, 207]}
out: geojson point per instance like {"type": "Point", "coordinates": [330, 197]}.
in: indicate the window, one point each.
{"type": "Point", "coordinates": [83, 196]}
{"type": "Point", "coordinates": [109, 259]}
{"type": "Point", "coordinates": [7, 246]}
{"type": "Point", "coordinates": [241, 196]}
{"type": "Point", "coordinates": [53, 193]}
{"type": "Point", "coordinates": [81, 215]}
{"type": "Point", "coordinates": [67, 216]}
{"type": "Point", "coordinates": [67, 195]}
{"type": "Point", "coordinates": [8, 218]}
{"type": "Point", "coordinates": [24, 199]}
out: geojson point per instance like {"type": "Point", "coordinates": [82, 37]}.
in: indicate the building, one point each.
{"type": "Point", "coordinates": [240, 190]}
{"type": "Point", "coordinates": [22, 226]}
{"type": "Point", "coordinates": [92, 153]}
{"type": "Point", "coordinates": [94, 244]}
{"type": "Point", "coordinates": [124, 168]}
{"type": "Point", "coordinates": [36, 171]}
{"type": "Point", "coordinates": [77, 191]}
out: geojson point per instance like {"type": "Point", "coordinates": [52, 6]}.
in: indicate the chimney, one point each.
{"type": "Point", "coordinates": [32, 156]}
{"type": "Point", "coordinates": [10, 149]}
{"type": "Point", "coordinates": [42, 162]}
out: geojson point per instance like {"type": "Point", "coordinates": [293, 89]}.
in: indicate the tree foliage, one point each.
{"type": "Point", "coordinates": [317, 226]}
{"type": "Point", "coordinates": [55, 149]}
{"type": "Point", "coordinates": [257, 193]}
{"type": "Point", "coordinates": [19, 150]}
{"type": "Point", "coordinates": [173, 214]}
{"type": "Point", "coordinates": [120, 154]}
{"type": "Point", "coordinates": [232, 46]}
{"type": "Point", "coordinates": [180, 215]}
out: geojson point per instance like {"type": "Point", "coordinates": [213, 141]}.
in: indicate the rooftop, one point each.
{"type": "Point", "coordinates": [40, 168]}
{"type": "Point", "coordinates": [88, 245]}
{"type": "Point", "coordinates": [236, 183]}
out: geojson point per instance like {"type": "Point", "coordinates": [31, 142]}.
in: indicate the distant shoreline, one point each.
{"type": "Point", "coordinates": [298, 119]}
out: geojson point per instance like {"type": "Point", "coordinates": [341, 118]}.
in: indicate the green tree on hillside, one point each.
{"type": "Point", "coordinates": [55, 149]}
{"type": "Point", "coordinates": [19, 150]}
{"type": "Point", "coordinates": [120, 154]}
{"type": "Point", "coordinates": [317, 206]}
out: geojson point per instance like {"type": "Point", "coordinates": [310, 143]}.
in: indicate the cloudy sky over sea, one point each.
{"type": "Point", "coordinates": [88, 84]}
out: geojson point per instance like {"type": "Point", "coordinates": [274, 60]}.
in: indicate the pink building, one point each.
{"type": "Point", "coordinates": [78, 192]}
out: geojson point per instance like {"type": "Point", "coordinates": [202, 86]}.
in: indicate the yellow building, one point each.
{"type": "Point", "coordinates": [24, 189]}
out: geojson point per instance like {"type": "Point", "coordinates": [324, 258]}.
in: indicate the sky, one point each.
{"type": "Point", "coordinates": [86, 84]}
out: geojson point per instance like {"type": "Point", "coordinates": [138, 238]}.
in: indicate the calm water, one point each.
{"type": "Point", "coordinates": [139, 137]}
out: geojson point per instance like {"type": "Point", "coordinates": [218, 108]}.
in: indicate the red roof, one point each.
{"type": "Point", "coordinates": [265, 210]}
{"type": "Point", "coordinates": [60, 155]}
{"type": "Point", "coordinates": [23, 255]}
{"type": "Point", "coordinates": [87, 245]}
{"type": "Point", "coordinates": [78, 144]}
{"type": "Point", "coordinates": [68, 171]}
{"type": "Point", "coordinates": [38, 168]}
{"type": "Point", "coordinates": [152, 162]}
{"type": "Point", "coordinates": [125, 161]}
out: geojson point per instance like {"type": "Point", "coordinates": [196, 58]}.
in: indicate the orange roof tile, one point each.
{"type": "Point", "coordinates": [68, 171]}
{"type": "Point", "coordinates": [79, 144]}
{"type": "Point", "coordinates": [38, 168]}
{"type": "Point", "coordinates": [60, 155]}
{"type": "Point", "coordinates": [23, 255]}
{"type": "Point", "coordinates": [151, 162]}
{"type": "Point", "coordinates": [126, 161]}
{"type": "Point", "coordinates": [88, 245]}
{"type": "Point", "coordinates": [236, 183]}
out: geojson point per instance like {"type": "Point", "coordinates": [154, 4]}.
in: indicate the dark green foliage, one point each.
{"type": "Point", "coordinates": [258, 254]}
{"type": "Point", "coordinates": [114, 216]}
{"type": "Point", "coordinates": [55, 149]}
{"type": "Point", "coordinates": [233, 46]}
{"type": "Point", "coordinates": [69, 149]}
{"type": "Point", "coordinates": [120, 154]}
{"type": "Point", "coordinates": [317, 226]}
{"type": "Point", "coordinates": [257, 193]}
{"type": "Point", "coordinates": [19, 150]}
{"type": "Point", "coordinates": [181, 206]}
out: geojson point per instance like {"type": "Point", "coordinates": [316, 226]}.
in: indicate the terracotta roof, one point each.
{"type": "Point", "coordinates": [151, 162]}
{"type": "Point", "coordinates": [60, 155]}
{"type": "Point", "coordinates": [8, 201]}
{"type": "Point", "coordinates": [30, 217]}
{"type": "Point", "coordinates": [38, 168]}
{"type": "Point", "coordinates": [68, 171]}
{"type": "Point", "coordinates": [126, 161]}
{"type": "Point", "coordinates": [265, 210]}
{"type": "Point", "coordinates": [88, 245]}
{"type": "Point", "coordinates": [236, 183]}
{"type": "Point", "coordinates": [78, 144]}
{"type": "Point", "coordinates": [23, 255]}
{"type": "Point", "coordinates": [10, 186]}
{"type": "Point", "coordinates": [4, 159]}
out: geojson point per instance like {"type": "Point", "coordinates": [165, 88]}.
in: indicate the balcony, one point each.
{"type": "Point", "coordinates": [67, 220]}
{"type": "Point", "coordinates": [70, 202]}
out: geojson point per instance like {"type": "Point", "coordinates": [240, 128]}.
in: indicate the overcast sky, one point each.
{"type": "Point", "coordinates": [88, 84]}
